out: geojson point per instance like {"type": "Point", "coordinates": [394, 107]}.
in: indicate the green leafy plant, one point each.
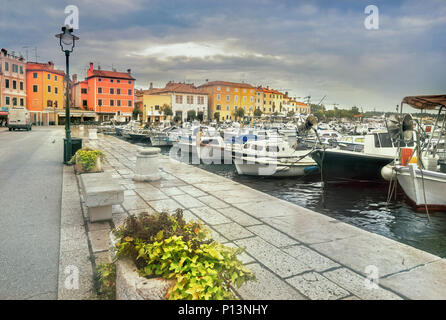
{"type": "Point", "coordinates": [106, 281]}
{"type": "Point", "coordinates": [87, 158]}
{"type": "Point", "coordinates": [163, 245]}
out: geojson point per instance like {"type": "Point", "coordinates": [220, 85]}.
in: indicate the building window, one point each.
{"type": "Point", "coordinates": [111, 80]}
{"type": "Point", "coordinates": [22, 102]}
{"type": "Point", "coordinates": [100, 102]}
{"type": "Point", "coordinates": [112, 103]}
{"type": "Point", "coordinates": [227, 89]}
{"type": "Point", "coordinates": [99, 90]}
{"type": "Point", "coordinates": [55, 78]}
{"type": "Point", "coordinates": [130, 103]}
{"type": "Point", "coordinates": [218, 88]}
{"type": "Point", "coordinates": [35, 75]}
{"type": "Point", "coordinates": [227, 97]}
{"type": "Point", "coordinates": [6, 83]}
{"type": "Point", "coordinates": [218, 107]}
{"type": "Point", "coordinates": [118, 103]}
{"type": "Point", "coordinates": [112, 91]}
{"type": "Point", "coordinates": [14, 84]}
{"type": "Point", "coordinates": [236, 89]}
{"type": "Point", "coordinates": [49, 88]}
{"type": "Point", "coordinates": [84, 103]}
{"type": "Point", "coordinates": [218, 96]}
{"type": "Point", "coordinates": [48, 76]}
{"type": "Point", "coordinates": [35, 88]}
{"type": "Point", "coordinates": [118, 91]}
{"type": "Point", "coordinates": [251, 99]}
{"type": "Point", "coordinates": [190, 99]}
{"type": "Point", "coordinates": [6, 66]}
{"type": "Point", "coordinates": [49, 103]}
{"type": "Point", "coordinates": [118, 81]}
{"type": "Point", "coordinates": [21, 69]}
{"type": "Point", "coordinates": [200, 100]}
{"type": "Point", "coordinates": [179, 99]}
{"type": "Point", "coordinates": [55, 90]}
{"type": "Point", "coordinates": [130, 82]}
{"type": "Point", "coordinates": [84, 91]}
{"type": "Point", "coordinates": [236, 98]}
{"type": "Point", "coordinates": [14, 102]}
{"type": "Point", "coordinates": [21, 85]}
{"type": "Point", "coordinates": [244, 99]}
{"type": "Point", "coordinates": [130, 92]}
{"type": "Point", "coordinates": [7, 101]}
{"type": "Point", "coordinates": [227, 108]}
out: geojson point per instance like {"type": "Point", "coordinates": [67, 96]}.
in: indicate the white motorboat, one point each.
{"type": "Point", "coordinates": [424, 182]}
{"type": "Point", "coordinates": [274, 158]}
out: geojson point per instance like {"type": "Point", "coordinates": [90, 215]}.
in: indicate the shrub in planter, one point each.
{"type": "Point", "coordinates": [88, 160]}
{"type": "Point", "coordinates": [163, 245]}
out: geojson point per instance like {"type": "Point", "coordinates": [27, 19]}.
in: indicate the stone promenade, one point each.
{"type": "Point", "coordinates": [296, 253]}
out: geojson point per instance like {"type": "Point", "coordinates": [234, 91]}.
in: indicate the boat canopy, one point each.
{"type": "Point", "coordinates": [426, 102]}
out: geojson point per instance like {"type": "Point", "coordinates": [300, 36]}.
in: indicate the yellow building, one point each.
{"type": "Point", "coordinates": [226, 97]}
{"type": "Point", "coordinates": [152, 104]}
{"type": "Point", "coordinates": [45, 92]}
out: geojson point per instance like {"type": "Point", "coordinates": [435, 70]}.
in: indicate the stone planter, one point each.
{"type": "Point", "coordinates": [131, 286]}
{"type": "Point", "coordinates": [97, 167]}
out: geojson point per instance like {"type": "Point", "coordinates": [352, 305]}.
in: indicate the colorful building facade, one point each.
{"type": "Point", "coordinates": [12, 83]}
{"type": "Point", "coordinates": [45, 92]}
{"type": "Point", "coordinates": [226, 97]}
{"type": "Point", "coordinates": [110, 93]}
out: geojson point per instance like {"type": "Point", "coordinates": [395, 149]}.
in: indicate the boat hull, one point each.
{"type": "Point", "coordinates": [411, 180]}
{"type": "Point", "coordinates": [350, 166]}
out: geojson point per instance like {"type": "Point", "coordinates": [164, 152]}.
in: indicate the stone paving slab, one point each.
{"type": "Point", "coordinates": [210, 216]}
{"type": "Point", "coordinates": [311, 258]}
{"type": "Point", "coordinates": [273, 258]}
{"type": "Point", "coordinates": [188, 201]}
{"type": "Point", "coordinates": [369, 249]}
{"type": "Point", "coordinates": [213, 202]}
{"type": "Point", "coordinates": [317, 287]}
{"type": "Point", "coordinates": [271, 235]}
{"type": "Point", "coordinates": [233, 231]}
{"type": "Point", "coordinates": [421, 283]}
{"type": "Point", "coordinates": [166, 204]}
{"type": "Point", "coordinates": [267, 287]}
{"type": "Point", "coordinates": [239, 216]}
{"type": "Point", "coordinates": [357, 285]}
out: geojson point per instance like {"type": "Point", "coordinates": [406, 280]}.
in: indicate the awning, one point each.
{"type": "Point", "coordinates": [426, 102]}
{"type": "Point", "coordinates": [3, 113]}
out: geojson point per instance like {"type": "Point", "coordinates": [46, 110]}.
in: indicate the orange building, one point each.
{"type": "Point", "coordinates": [226, 97]}
{"type": "Point", "coordinates": [44, 92]}
{"type": "Point", "coordinates": [110, 93]}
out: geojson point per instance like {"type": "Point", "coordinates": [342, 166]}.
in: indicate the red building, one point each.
{"type": "Point", "coordinates": [109, 93]}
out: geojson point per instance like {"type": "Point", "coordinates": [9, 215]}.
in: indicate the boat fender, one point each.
{"type": "Point", "coordinates": [388, 173]}
{"type": "Point", "coordinates": [311, 169]}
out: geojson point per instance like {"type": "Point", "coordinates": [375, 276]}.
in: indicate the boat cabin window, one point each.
{"type": "Point", "coordinates": [272, 149]}
{"type": "Point", "coordinates": [359, 140]}
{"type": "Point", "coordinates": [382, 140]}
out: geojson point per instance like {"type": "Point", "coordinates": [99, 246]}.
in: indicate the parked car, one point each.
{"type": "Point", "coordinates": [19, 118]}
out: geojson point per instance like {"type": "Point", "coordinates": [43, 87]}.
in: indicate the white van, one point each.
{"type": "Point", "coordinates": [19, 118]}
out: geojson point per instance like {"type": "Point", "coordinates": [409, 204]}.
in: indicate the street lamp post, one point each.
{"type": "Point", "coordinates": [67, 42]}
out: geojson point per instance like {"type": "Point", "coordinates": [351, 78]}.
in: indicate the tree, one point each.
{"type": "Point", "coordinates": [239, 113]}
{"type": "Point", "coordinates": [137, 112]}
{"type": "Point", "coordinates": [258, 113]}
{"type": "Point", "coordinates": [290, 114]}
{"type": "Point", "coordinates": [167, 110]}
{"type": "Point", "coordinates": [217, 116]}
{"type": "Point", "coordinates": [191, 115]}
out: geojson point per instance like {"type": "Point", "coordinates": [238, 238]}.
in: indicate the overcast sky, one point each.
{"type": "Point", "coordinates": [316, 48]}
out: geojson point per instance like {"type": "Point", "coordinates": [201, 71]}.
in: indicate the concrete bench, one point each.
{"type": "Point", "coordinates": [100, 192]}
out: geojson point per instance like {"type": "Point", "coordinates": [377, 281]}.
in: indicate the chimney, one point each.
{"type": "Point", "coordinates": [91, 66]}
{"type": "Point", "coordinates": [99, 67]}
{"type": "Point", "coordinates": [286, 93]}
{"type": "Point", "coordinates": [129, 70]}
{"type": "Point", "coordinates": [151, 86]}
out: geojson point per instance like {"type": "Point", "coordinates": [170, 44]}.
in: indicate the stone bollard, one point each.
{"type": "Point", "coordinates": [147, 165]}
{"type": "Point", "coordinates": [93, 134]}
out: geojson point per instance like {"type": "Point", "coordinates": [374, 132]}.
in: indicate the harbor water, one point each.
{"type": "Point", "coordinates": [360, 204]}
